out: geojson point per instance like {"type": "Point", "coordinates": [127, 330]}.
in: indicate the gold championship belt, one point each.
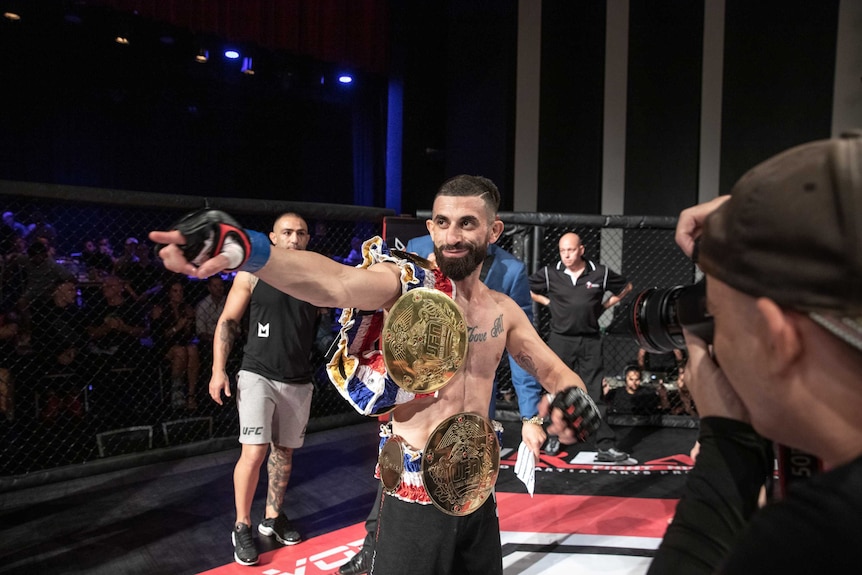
{"type": "Point", "coordinates": [424, 340]}
{"type": "Point", "coordinates": [460, 463]}
{"type": "Point", "coordinates": [391, 463]}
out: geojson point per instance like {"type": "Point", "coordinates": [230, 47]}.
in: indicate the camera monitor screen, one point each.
{"type": "Point", "coordinates": [398, 230]}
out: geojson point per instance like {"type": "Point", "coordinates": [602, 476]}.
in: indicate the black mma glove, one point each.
{"type": "Point", "coordinates": [211, 232]}
{"type": "Point", "coordinates": [579, 411]}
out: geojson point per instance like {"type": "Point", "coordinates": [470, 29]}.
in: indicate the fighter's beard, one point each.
{"type": "Point", "coordinates": [457, 269]}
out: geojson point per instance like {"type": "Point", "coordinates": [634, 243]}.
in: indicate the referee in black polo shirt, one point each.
{"type": "Point", "coordinates": [575, 288]}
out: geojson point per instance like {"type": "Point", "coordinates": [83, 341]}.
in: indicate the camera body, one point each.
{"type": "Point", "coordinates": [659, 315]}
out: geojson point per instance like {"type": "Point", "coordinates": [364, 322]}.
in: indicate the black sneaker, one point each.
{"type": "Point", "coordinates": [611, 455]}
{"type": "Point", "coordinates": [244, 549]}
{"type": "Point", "coordinates": [356, 566]}
{"type": "Point", "coordinates": [280, 528]}
{"type": "Point", "coordinates": [552, 446]}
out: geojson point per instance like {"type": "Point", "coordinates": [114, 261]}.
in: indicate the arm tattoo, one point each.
{"type": "Point", "coordinates": [230, 328]}
{"type": "Point", "coordinates": [526, 362]}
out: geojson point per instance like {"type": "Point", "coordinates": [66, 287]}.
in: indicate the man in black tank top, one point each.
{"type": "Point", "coordinates": [273, 389]}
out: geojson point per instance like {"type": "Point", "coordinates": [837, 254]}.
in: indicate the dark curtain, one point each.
{"type": "Point", "coordinates": [348, 32]}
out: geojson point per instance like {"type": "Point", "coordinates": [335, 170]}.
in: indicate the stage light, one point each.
{"type": "Point", "coordinates": [232, 54]}
{"type": "Point", "coordinates": [13, 16]}
{"type": "Point", "coordinates": [202, 56]}
{"type": "Point", "coordinates": [121, 40]}
{"type": "Point", "coordinates": [247, 66]}
{"type": "Point", "coordinates": [345, 78]}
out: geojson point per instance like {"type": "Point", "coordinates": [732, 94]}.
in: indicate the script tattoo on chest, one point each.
{"type": "Point", "coordinates": [498, 326]}
{"type": "Point", "coordinates": [475, 336]}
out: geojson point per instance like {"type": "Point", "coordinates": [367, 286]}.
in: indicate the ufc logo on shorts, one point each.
{"type": "Point", "coordinates": [252, 431]}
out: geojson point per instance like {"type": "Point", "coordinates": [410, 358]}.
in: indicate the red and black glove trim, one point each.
{"type": "Point", "coordinates": [208, 231]}
{"type": "Point", "coordinates": [579, 411]}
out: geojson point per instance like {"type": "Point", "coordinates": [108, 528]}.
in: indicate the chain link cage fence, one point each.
{"type": "Point", "coordinates": [642, 249]}
{"type": "Point", "coordinates": [89, 369]}
{"type": "Point", "coordinates": [84, 371]}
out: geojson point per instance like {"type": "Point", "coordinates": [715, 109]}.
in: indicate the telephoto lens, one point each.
{"type": "Point", "coordinates": [658, 316]}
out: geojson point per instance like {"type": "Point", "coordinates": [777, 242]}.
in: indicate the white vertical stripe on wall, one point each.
{"type": "Point", "coordinates": [847, 92]}
{"type": "Point", "coordinates": [614, 132]}
{"type": "Point", "coordinates": [527, 93]}
{"type": "Point", "coordinates": [709, 168]}
{"type": "Point", "coordinates": [614, 128]}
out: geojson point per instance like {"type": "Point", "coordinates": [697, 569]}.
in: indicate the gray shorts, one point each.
{"type": "Point", "coordinates": [272, 411]}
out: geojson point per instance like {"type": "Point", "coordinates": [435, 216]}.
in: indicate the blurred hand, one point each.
{"type": "Point", "coordinates": [533, 435]}
{"type": "Point", "coordinates": [558, 425]}
{"type": "Point", "coordinates": [690, 223]}
{"type": "Point", "coordinates": [712, 392]}
{"type": "Point", "coordinates": [175, 260]}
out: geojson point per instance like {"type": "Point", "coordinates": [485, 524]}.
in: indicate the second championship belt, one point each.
{"type": "Point", "coordinates": [460, 463]}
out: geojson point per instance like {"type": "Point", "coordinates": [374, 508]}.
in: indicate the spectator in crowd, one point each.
{"type": "Point", "coordinates": [128, 258]}
{"type": "Point", "coordinates": [411, 531]}
{"type": "Point", "coordinates": [574, 289]}
{"type": "Point", "coordinates": [116, 324]}
{"type": "Point", "coordinates": [7, 242]}
{"type": "Point", "coordinates": [781, 257]}
{"type": "Point", "coordinates": [17, 227]}
{"type": "Point", "coordinates": [40, 228]}
{"type": "Point", "coordinates": [17, 251]}
{"type": "Point", "coordinates": [13, 265]}
{"type": "Point", "coordinates": [172, 327]}
{"type": "Point", "coordinates": [320, 241]}
{"type": "Point", "coordinates": [681, 401]}
{"type": "Point", "coordinates": [354, 258]}
{"type": "Point", "coordinates": [97, 263]}
{"type": "Point", "coordinates": [106, 248]}
{"type": "Point", "coordinates": [41, 275]}
{"type": "Point", "coordinates": [635, 399]}
{"type": "Point", "coordinates": [145, 275]}
{"type": "Point", "coordinates": [58, 337]}
{"type": "Point", "coordinates": [41, 272]}
{"type": "Point", "coordinates": [8, 344]}
{"type": "Point", "coordinates": [207, 312]}
{"type": "Point", "coordinates": [273, 389]}
{"type": "Point", "coordinates": [665, 364]}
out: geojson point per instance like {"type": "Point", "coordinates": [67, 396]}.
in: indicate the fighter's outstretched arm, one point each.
{"type": "Point", "coordinates": [305, 275]}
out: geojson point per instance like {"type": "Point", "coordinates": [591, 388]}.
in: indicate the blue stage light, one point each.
{"type": "Point", "coordinates": [232, 54]}
{"type": "Point", "coordinates": [345, 78]}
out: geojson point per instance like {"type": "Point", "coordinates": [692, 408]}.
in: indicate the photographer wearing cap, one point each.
{"type": "Point", "coordinates": [783, 262]}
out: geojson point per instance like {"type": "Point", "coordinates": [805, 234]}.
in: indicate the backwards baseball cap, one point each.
{"type": "Point", "coordinates": [792, 231]}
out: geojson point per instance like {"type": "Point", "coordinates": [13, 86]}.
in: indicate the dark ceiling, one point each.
{"type": "Point", "coordinates": [81, 109]}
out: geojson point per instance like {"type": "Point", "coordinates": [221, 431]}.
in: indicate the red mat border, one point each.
{"type": "Point", "coordinates": [573, 514]}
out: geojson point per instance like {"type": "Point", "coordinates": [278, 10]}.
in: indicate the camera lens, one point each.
{"type": "Point", "coordinates": [658, 316]}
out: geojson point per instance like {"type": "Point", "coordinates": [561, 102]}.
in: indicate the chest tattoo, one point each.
{"type": "Point", "coordinates": [498, 326]}
{"type": "Point", "coordinates": [475, 336]}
